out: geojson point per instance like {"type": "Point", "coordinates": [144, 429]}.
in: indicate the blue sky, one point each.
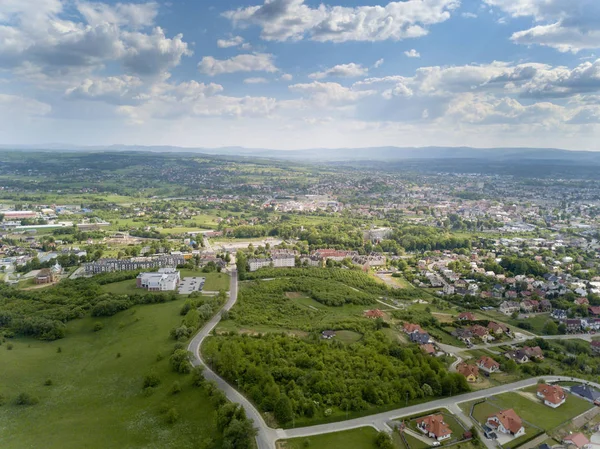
{"type": "Point", "coordinates": [301, 73]}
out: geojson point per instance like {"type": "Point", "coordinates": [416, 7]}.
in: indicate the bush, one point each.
{"type": "Point", "coordinates": [172, 416]}
{"type": "Point", "coordinates": [175, 388]}
{"type": "Point", "coordinates": [151, 380]}
{"type": "Point", "coordinates": [9, 346]}
{"type": "Point", "coordinates": [198, 379]}
{"type": "Point", "coordinates": [180, 361]}
{"type": "Point", "coordinates": [98, 326]}
{"type": "Point", "coordinates": [384, 441]}
{"type": "Point", "coordinates": [48, 382]}
{"type": "Point", "coordinates": [26, 399]}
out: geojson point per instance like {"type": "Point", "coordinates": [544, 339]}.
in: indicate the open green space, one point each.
{"type": "Point", "coordinates": [361, 438]}
{"type": "Point", "coordinates": [214, 281]}
{"type": "Point", "coordinates": [95, 399]}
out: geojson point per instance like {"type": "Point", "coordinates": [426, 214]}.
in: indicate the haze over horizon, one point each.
{"type": "Point", "coordinates": [290, 74]}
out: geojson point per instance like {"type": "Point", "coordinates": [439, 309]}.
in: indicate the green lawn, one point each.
{"type": "Point", "coordinates": [127, 287]}
{"type": "Point", "coordinates": [348, 337]}
{"type": "Point", "coordinates": [457, 429]}
{"type": "Point", "coordinates": [96, 400]}
{"type": "Point", "coordinates": [541, 415]}
{"type": "Point", "coordinates": [361, 438]}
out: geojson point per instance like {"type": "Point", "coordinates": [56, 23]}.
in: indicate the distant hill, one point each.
{"type": "Point", "coordinates": [351, 154]}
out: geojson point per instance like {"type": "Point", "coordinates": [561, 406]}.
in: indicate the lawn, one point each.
{"type": "Point", "coordinates": [541, 415]}
{"type": "Point", "coordinates": [361, 438]}
{"type": "Point", "coordinates": [348, 337]}
{"type": "Point", "coordinates": [128, 287]}
{"type": "Point", "coordinates": [457, 429]}
{"type": "Point", "coordinates": [96, 400]}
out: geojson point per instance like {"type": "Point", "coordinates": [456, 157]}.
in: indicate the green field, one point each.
{"type": "Point", "coordinates": [96, 399]}
{"type": "Point", "coordinates": [361, 438]}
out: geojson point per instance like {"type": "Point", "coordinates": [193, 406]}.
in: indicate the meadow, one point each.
{"type": "Point", "coordinates": [89, 387]}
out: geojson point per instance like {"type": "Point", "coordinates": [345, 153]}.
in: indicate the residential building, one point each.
{"type": "Point", "coordinates": [469, 371]}
{"type": "Point", "coordinates": [519, 356]}
{"type": "Point", "coordinates": [552, 395]}
{"type": "Point", "coordinates": [497, 328]}
{"type": "Point", "coordinates": [45, 276]}
{"type": "Point", "coordinates": [258, 263]}
{"type": "Point", "coordinates": [480, 332]}
{"type": "Point", "coordinates": [327, 335]}
{"type": "Point", "coordinates": [534, 352]}
{"type": "Point", "coordinates": [375, 313]}
{"type": "Point", "coordinates": [428, 349]}
{"type": "Point", "coordinates": [434, 427]}
{"type": "Point", "coordinates": [409, 328]}
{"type": "Point", "coordinates": [467, 316]}
{"type": "Point", "coordinates": [579, 440]}
{"type": "Point", "coordinates": [488, 365]}
{"type": "Point", "coordinates": [509, 307]}
{"type": "Point", "coordinates": [507, 422]}
{"type": "Point", "coordinates": [133, 264]}
{"type": "Point", "coordinates": [586, 392]}
{"type": "Point", "coordinates": [420, 337]}
{"type": "Point", "coordinates": [165, 280]}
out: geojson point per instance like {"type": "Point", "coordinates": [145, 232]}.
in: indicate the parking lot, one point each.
{"type": "Point", "coordinates": [191, 284]}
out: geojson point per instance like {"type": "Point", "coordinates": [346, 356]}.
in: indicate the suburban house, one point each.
{"type": "Point", "coordinates": [594, 310]}
{"type": "Point", "coordinates": [579, 440]}
{"type": "Point", "coordinates": [534, 352]}
{"type": "Point", "coordinates": [545, 305]}
{"type": "Point", "coordinates": [480, 332]}
{"type": "Point", "coordinates": [573, 324]}
{"type": "Point", "coordinates": [552, 395]}
{"type": "Point", "coordinates": [519, 356]}
{"type": "Point", "coordinates": [462, 334]}
{"type": "Point", "coordinates": [509, 307]}
{"type": "Point", "coordinates": [469, 371]}
{"type": "Point", "coordinates": [420, 337]}
{"type": "Point", "coordinates": [497, 328]}
{"type": "Point", "coordinates": [466, 316]}
{"type": "Point", "coordinates": [507, 422]}
{"type": "Point", "coordinates": [428, 348]}
{"type": "Point", "coordinates": [434, 427]}
{"type": "Point", "coordinates": [582, 301]}
{"type": "Point", "coordinates": [165, 280]}
{"type": "Point", "coordinates": [409, 328]}
{"type": "Point", "coordinates": [375, 313]}
{"type": "Point", "coordinates": [45, 276]}
{"type": "Point", "coordinates": [488, 364]}
{"type": "Point", "coordinates": [586, 392]}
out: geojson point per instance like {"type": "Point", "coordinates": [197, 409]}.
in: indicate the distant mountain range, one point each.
{"type": "Point", "coordinates": [350, 154]}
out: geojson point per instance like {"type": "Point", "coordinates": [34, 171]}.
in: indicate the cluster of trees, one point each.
{"type": "Point", "coordinates": [423, 238]}
{"type": "Point", "coordinates": [195, 311]}
{"type": "Point", "coordinates": [280, 373]}
{"type": "Point", "coordinates": [65, 260]}
{"type": "Point", "coordinates": [522, 265]}
{"type": "Point", "coordinates": [574, 357]}
{"type": "Point", "coordinates": [43, 316]}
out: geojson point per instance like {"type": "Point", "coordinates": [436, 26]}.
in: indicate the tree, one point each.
{"type": "Point", "coordinates": [283, 410]}
{"type": "Point", "coordinates": [550, 328]}
{"type": "Point", "coordinates": [239, 434]}
{"type": "Point", "coordinates": [384, 441]}
{"type": "Point", "coordinates": [180, 361]}
{"type": "Point", "coordinates": [151, 380]}
{"type": "Point", "coordinates": [198, 379]}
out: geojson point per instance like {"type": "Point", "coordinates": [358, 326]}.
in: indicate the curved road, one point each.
{"type": "Point", "coordinates": [267, 437]}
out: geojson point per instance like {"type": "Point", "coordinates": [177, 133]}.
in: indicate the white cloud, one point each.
{"type": "Point", "coordinates": [40, 34]}
{"type": "Point", "coordinates": [286, 77]}
{"type": "Point", "coordinates": [412, 53]}
{"type": "Point", "coordinates": [330, 94]}
{"type": "Point", "coordinates": [469, 15]}
{"type": "Point", "coordinates": [566, 25]}
{"type": "Point", "coordinates": [257, 62]}
{"type": "Point", "coordinates": [233, 42]}
{"type": "Point", "coordinates": [378, 63]}
{"type": "Point", "coordinates": [135, 15]}
{"type": "Point", "coordinates": [351, 70]}
{"type": "Point", "coordinates": [114, 89]}
{"type": "Point", "coordinates": [256, 81]}
{"type": "Point", "coordinates": [282, 20]}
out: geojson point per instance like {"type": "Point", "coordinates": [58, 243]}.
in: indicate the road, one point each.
{"type": "Point", "coordinates": [267, 437]}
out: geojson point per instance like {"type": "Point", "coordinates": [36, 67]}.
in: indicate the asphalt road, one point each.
{"type": "Point", "coordinates": [267, 437]}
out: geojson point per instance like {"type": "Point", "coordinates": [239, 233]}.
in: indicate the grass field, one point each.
{"type": "Point", "coordinates": [361, 438]}
{"type": "Point", "coordinates": [96, 400]}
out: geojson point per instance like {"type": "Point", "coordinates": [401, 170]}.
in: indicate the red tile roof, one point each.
{"type": "Point", "coordinates": [434, 424]}
{"type": "Point", "coordinates": [509, 419]}
{"type": "Point", "coordinates": [552, 393]}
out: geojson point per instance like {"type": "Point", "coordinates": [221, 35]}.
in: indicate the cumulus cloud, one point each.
{"type": "Point", "coordinates": [282, 20]}
{"type": "Point", "coordinates": [566, 25]}
{"type": "Point", "coordinates": [233, 42]}
{"type": "Point", "coordinates": [286, 77]}
{"type": "Point", "coordinates": [378, 63]}
{"type": "Point", "coordinates": [412, 53]}
{"type": "Point", "coordinates": [330, 94]}
{"type": "Point", "coordinates": [135, 15]}
{"type": "Point", "coordinates": [41, 34]}
{"type": "Point", "coordinates": [469, 15]}
{"type": "Point", "coordinates": [257, 62]}
{"type": "Point", "coordinates": [22, 106]}
{"type": "Point", "coordinates": [351, 70]}
{"type": "Point", "coordinates": [114, 89]}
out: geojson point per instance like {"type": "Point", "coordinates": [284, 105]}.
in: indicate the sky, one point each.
{"type": "Point", "coordinates": [293, 74]}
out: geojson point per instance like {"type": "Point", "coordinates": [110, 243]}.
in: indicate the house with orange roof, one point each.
{"type": "Point", "coordinates": [410, 328]}
{"type": "Point", "coordinates": [488, 364]}
{"type": "Point", "coordinates": [507, 422]}
{"type": "Point", "coordinates": [375, 313]}
{"type": "Point", "coordinates": [552, 395]}
{"type": "Point", "coordinates": [466, 316]}
{"type": "Point", "coordinates": [579, 440]}
{"type": "Point", "coordinates": [434, 427]}
{"type": "Point", "coordinates": [469, 371]}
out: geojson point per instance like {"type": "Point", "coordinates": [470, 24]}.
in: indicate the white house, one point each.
{"type": "Point", "coordinates": [165, 280]}
{"type": "Point", "coordinates": [507, 422]}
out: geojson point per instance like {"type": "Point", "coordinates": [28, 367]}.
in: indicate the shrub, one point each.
{"type": "Point", "coordinates": [180, 361]}
{"type": "Point", "coordinates": [175, 388]}
{"type": "Point", "coordinates": [98, 326]}
{"type": "Point", "coordinates": [172, 416]}
{"type": "Point", "coordinates": [9, 346]}
{"type": "Point", "coordinates": [198, 379]}
{"type": "Point", "coordinates": [48, 382]}
{"type": "Point", "coordinates": [26, 399]}
{"type": "Point", "coordinates": [151, 380]}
